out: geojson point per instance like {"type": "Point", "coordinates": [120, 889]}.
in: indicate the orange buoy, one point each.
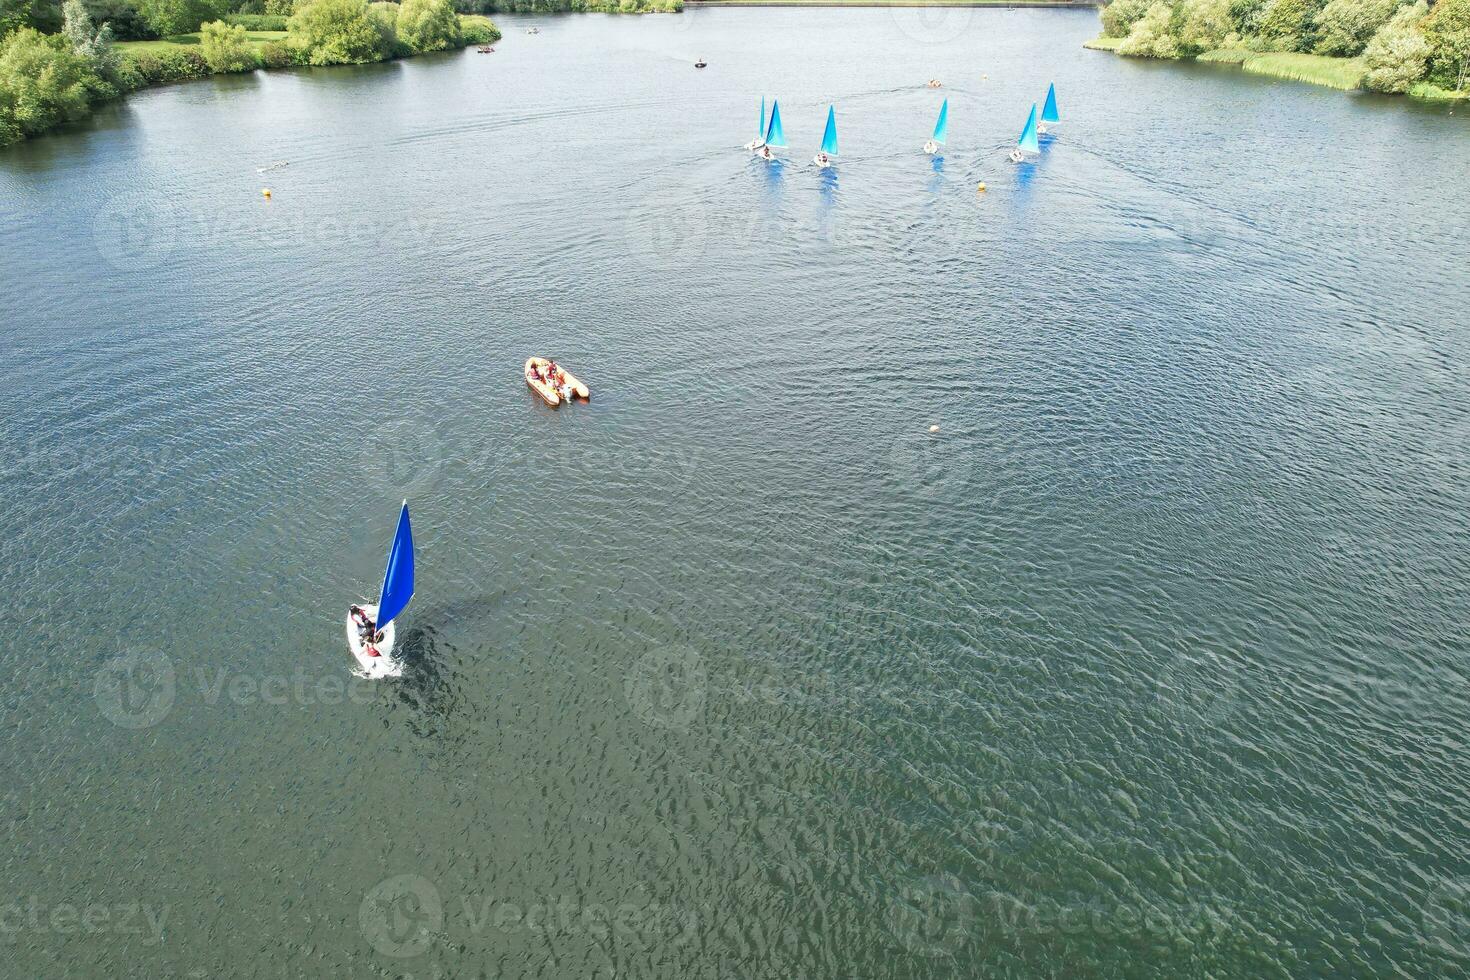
{"type": "Point", "coordinates": [265, 192]}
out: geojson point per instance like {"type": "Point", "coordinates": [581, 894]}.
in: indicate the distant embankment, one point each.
{"type": "Point", "coordinates": [689, 4]}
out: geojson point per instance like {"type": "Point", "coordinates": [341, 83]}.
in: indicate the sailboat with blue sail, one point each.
{"type": "Point", "coordinates": [370, 625]}
{"type": "Point", "coordinates": [760, 129]}
{"type": "Point", "coordinates": [774, 136]}
{"type": "Point", "coordinates": [1049, 113]}
{"type": "Point", "coordinates": [941, 130]}
{"type": "Point", "coordinates": [1027, 142]}
{"type": "Point", "coordinates": [829, 140]}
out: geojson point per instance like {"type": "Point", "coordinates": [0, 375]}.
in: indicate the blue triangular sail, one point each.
{"type": "Point", "coordinates": [829, 137]}
{"type": "Point", "coordinates": [1049, 111]}
{"type": "Point", "coordinates": [941, 126]}
{"type": "Point", "coordinates": [398, 579]}
{"type": "Point", "coordinates": [1028, 141]}
{"type": "Point", "coordinates": [775, 135]}
{"type": "Point", "coordinates": [760, 123]}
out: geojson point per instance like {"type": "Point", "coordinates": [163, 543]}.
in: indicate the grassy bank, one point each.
{"type": "Point", "coordinates": [1339, 73]}
{"type": "Point", "coordinates": [168, 45]}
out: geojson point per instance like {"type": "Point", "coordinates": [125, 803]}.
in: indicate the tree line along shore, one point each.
{"type": "Point", "coordinates": [1394, 46]}
{"type": "Point", "coordinates": [60, 59]}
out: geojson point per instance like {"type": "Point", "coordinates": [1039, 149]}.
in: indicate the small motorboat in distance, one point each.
{"type": "Point", "coordinates": [700, 63]}
{"type": "Point", "coordinates": [555, 390]}
{"type": "Point", "coordinates": [533, 30]}
{"type": "Point", "coordinates": [486, 49]}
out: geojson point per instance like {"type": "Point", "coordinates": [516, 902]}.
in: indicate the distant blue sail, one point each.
{"type": "Point", "coordinates": [1028, 141]}
{"type": "Point", "coordinates": [398, 579]}
{"type": "Point", "coordinates": [829, 138]}
{"type": "Point", "coordinates": [775, 135]}
{"type": "Point", "coordinates": [941, 127]}
{"type": "Point", "coordinates": [760, 123]}
{"type": "Point", "coordinates": [1049, 111]}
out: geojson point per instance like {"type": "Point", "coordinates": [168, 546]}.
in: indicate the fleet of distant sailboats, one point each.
{"type": "Point", "coordinates": [769, 136]}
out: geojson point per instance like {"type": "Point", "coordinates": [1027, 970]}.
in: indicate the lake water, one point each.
{"type": "Point", "coordinates": [1151, 662]}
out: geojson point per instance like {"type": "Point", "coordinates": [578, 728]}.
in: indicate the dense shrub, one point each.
{"type": "Point", "coordinates": [126, 20]}
{"type": "Point", "coordinates": [1119, 16]}
{"type": "Point", "coordinates": [258, 22]}
{"type": "Point", "coordinates": [339, 32]}
{"type": "Point", "coordinates": [226, 48]}
{"type": "Point", "coordinates": [164, 66]}
{"type": "Point", "coordinates": [385, 15]}
{"type": "Point", "coordinates": [1287, 25]}
{"type": "Point", "coordinates": [281, 8]}
{"type": "Point", "coordinates": [1204, 25]}
{"type": "Point", "coordinates": [1344, 27]}
{"type": "Point", "coordinates": [169, 17]}
{"type": "Point", "coordinates": [428, 25]}
{"type": "Point", "coordinates": [43, 15]}
{"type": "Point", "coordinates": [274, 54]}
{"type": "Point", "coordinates": [44, 83]}
{"type": "Point", "coordinates": [1151, 36]}
{"type": "Point", "coordinates": [1397, 55]}
{"type": "Point", "coordinates": [475, 29]}
{"type": "Point", "coordinates": [1447, 32]}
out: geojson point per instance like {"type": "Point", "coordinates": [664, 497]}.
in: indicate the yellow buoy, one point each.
{"type": "Point", "coordinates": [981, 188]}
{"type": "Point", "coordinates": [265, 192]}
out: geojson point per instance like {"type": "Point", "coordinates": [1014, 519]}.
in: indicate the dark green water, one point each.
{"type": "Point", "coordinates": [1151, 662]}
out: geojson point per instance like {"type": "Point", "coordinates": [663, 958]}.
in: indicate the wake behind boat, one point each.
{"type": "Point", "coordinates": [370, 632]}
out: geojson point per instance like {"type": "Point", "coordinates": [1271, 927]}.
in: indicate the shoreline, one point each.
{"type": "Point", "coordinates": [1342, 74]}
{"type": "Point", "coordinates": [1007, 4]}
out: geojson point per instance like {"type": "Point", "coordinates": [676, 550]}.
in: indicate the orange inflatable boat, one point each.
{"type": "Point", "coordinates": [551, 390]}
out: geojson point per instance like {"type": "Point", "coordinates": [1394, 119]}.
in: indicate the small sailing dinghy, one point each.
{"type": "Point", "coordinates": [941, 130]}
{"type": "Point", "coordinates": [374, 653]}
{"type": "Point", "coordinates": [829, 140]}
{"type": "Point", "coordinates": [1049, 112]}
{"type": "Point", "coordinates": [760, 130]}
{"type": "Point", "coordinates": [775, 136]}
{"type": "Point", "coordinates": [553, 390]}
{"type": "Point", "coordinates": [1027, 143]}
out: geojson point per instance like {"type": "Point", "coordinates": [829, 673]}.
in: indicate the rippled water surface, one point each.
{"type": "Point", "coordinates": [1151, 662]}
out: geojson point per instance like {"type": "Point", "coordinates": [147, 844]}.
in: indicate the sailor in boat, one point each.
{"type": "Point", "coordinates": [823, 159]}
{"type": "Point", "coordinates": [367, 631]}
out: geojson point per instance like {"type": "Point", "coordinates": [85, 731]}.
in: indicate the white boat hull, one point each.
{"type": "Point", "coordinates": [822, 162]}
{"type": "Point", "coordinates": [754, 146]}
{"type": "Point", "coordinates": [931, 147]}
{"type": "Point", "coordinates": [383, 665]}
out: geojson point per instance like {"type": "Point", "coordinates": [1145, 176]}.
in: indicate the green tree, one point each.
{"type": "Point", "coordinates": [339, 32]}
{"type": "Point", "coordinates": [226, 48]}
{"type": "Point", "coordinates": [1344, 27]}
{"type": "Point", "coordinates": [1397, 55]}
{"type": "Point", "coordinates": [1448, 34]}
{"type": "Point", "coordinates": [1119, 16]}
{"type": "Point", "coordinates": [428, 25]}
{"type": "Point", "coordinates": [94, 44]}
{"type": "Point", "coordinates": [1204, 25]}
{"type": "Point", "coordinates": [43, 83]}
{"type": "Point", "coordinates": [1152, 35]}
{"type": "Point", "coordinates": [168, 17]}
{"type": "Point", "coordinates": [123, 17]}
{"type": "Point", "coordinates": [1287, 24]}
{"type": "Point", "coordinates": [43, 15]}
